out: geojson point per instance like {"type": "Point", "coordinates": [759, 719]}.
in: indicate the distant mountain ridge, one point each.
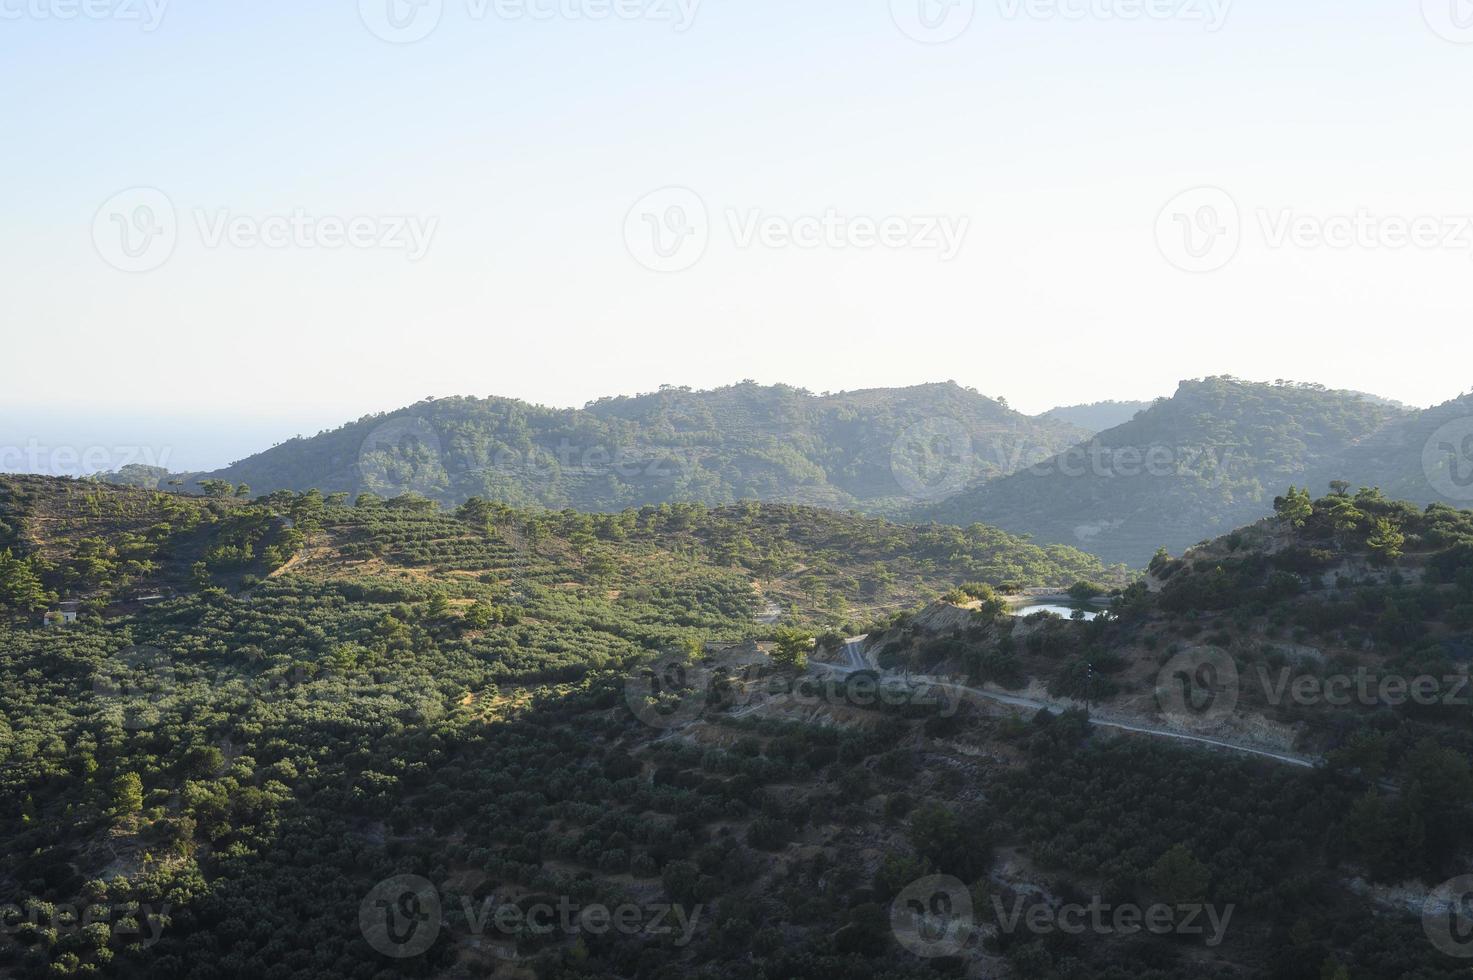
{"type": "Point", "coordinates": [1184, 469]}
{"type": "Point", "coordinates": [875, 450]}
{"type": "Point", "coordinates": [1099, 416]}
{"type": "Point", "coordinates": [1425, 457]}
{"type": "Point", "coordinates": [1209, 459]}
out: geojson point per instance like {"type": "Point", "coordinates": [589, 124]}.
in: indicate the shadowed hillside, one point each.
{"type": "Point", "coordinates": [1195, 465]}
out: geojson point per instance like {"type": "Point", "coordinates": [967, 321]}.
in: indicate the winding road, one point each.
{"type": "Point", "coordinates": [853, 652]}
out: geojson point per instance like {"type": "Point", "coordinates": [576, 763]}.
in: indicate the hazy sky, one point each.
{"type": "Point", "coordinates": [858, 206]}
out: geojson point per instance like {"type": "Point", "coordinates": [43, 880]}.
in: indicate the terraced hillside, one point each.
{"type": "Point", "coordinates": [385, 754]}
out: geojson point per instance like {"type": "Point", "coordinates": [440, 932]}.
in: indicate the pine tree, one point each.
{"type": "Point", "coordinates": [127, 794]}
{"type": "Point", "coordinates": [1296, 507]}
{"type": "Point", "coordinates": [20, 587]}
{"type": "Point", "coordinates": [1385, 542]}
{"type": "Point", "coordinates": [792, 648]}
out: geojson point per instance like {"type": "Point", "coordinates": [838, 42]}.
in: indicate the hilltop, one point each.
{"type": "Point", "coordinates": [1190, 467]}
{"type": "Point", "coordinates": [866, 450]}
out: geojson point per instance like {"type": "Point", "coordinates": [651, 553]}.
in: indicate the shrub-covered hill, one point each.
{"type": "Point", "coordinates": [1190, 467]}
{"type": "Point", "coordinates": [1425, 457]}
{"type": "Point", "coordinates": [745, 442]}
{"type": "Point", "coordinates": [1338, 633]}
{"type": "Point", "coordinates": [100, 544]}
{"type": "Point", "coordinates": [224, 781]}
{"type": "Point", "coordinates": [270, 735]}
{"type": "Point", "coordinates": [1313, 627]}
{"type": "Point", "coordinates": [104, 544]}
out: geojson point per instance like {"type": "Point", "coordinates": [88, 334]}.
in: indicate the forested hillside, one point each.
{"type": "Point", "coordinates": [1425, 457]}
{"type": "Point", "coordinates": [328, 690]}
{"type": "Point", "coordinates": [234, 780]}
{"type": "Point", "coordinates": [880, 451]}
{"type": "Point", "coordinates": [1178, 471]}
{"type": "Point", "coordinates": [1193, 466]}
